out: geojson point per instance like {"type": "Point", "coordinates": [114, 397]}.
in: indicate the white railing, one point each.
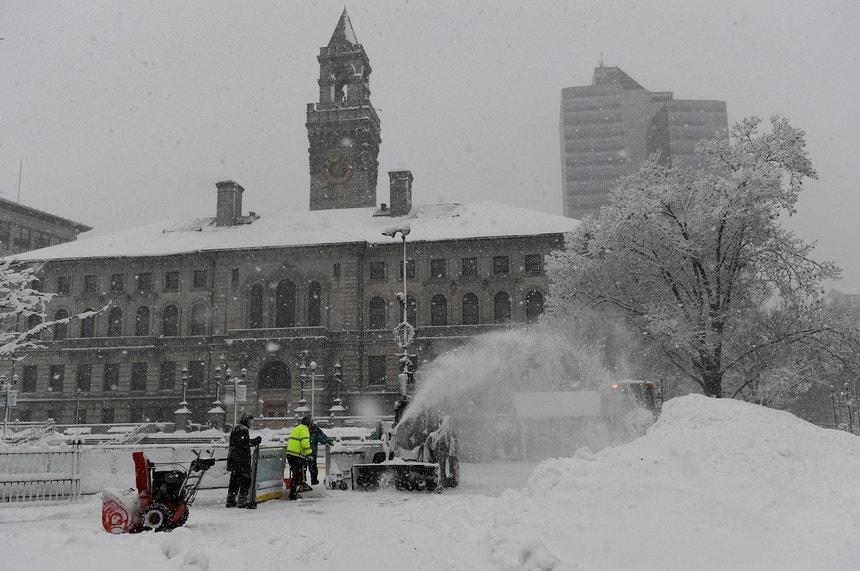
{"type": "Point", "coordinates": [38, 476]}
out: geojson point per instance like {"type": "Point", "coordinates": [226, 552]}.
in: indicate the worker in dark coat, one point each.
{"type": "Point", "coordinates": [317, 437]}
{"type": "Point", "coordinates": [239, 464]}
{"type": "Point", "coordinates": [298, 453]}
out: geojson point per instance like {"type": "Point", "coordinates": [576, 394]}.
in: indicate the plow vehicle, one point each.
{"type": "Point", "coordinates": [419, 453]}
{"type": "Point", "coordinates": [165, 491]}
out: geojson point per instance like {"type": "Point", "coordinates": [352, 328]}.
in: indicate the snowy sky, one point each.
{"type": "Point", "coordinates": [126, 112]}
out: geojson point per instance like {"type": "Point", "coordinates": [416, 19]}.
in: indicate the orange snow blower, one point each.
{"type": "Point", "coordinates": [164, 493]}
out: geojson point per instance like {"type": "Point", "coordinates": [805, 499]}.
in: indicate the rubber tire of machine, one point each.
{"type": "Point", "coordinates": [156, 517]}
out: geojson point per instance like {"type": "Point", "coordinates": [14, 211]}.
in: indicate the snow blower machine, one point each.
{"type": "Point", "coordinates": [419, 453]}
{"type": "Point", "coordinates": [164, 493]}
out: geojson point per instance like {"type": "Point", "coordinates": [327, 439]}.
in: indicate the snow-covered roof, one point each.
{"type": "Point", "coordinates": [427, 223]}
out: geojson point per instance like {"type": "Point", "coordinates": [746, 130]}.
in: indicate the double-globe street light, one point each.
{"type": "Point", "coordinates": [404, 333]}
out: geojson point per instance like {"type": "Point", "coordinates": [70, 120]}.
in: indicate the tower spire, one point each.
{"type": "Point", "coordinates": [344, 35]}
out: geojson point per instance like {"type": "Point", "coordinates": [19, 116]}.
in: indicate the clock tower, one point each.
{"type": "Point", "coordinates": [343, 127]}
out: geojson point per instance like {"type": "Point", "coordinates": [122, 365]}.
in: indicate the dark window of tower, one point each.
{"type": "Point", "coordinates": [199, 319]}
{"type": "Point", "coordinates": [85, 377]}
{"type": "Point", "coordinates": [28, 383]}
{"type": "Point", "coordinates": [500, 265]}
{"type": "Point", "coordinates": [170, 321]}
{"type": "Point", "coordinates": [200, 279]}
{"type": "Point", "coordinates": [255, 307]}
{"type": "Point", "coordinates": [533, 264]}
{"type": "Point", "coordinates": [314, 304]}
{"type": "Point", "coordinates": [110, 380]}
{"type": "Point", "coordinates": [115, 323]}
{"type": "Point", "coordinates": [167, 376]}
{"type": "Point", "coordinates": [64, 285]}
{"type": "Point", "coordinates": [55, 380]}
{"type": "Point", "coordinates": [61, 327]}
{"type": "Point", "coordinates": [534, 305]}
{"type": "Point", "coordinates": [377, 270]}
{"type": "Point", "coordinates": [410, 269]}
{"type": "Point", "coordinates": [469, 267]}
{"type": "Point", "coordinates": [377, 313]}
{"type": "Point", "coordinates": [196, 374]}
{"type": "Point", "coordinates": [285, 304]}
{"type": "Point", "coordinates": [439, 268]}
{"type": "Point", "coordinates": [91, 284]}
{"type": "Point", "coordinates": [376, 374]}
{"type": "Point", "coordinates": [138, 376]}
{"type": "Point", "coordinates": [33, 321]}
{"type": "Point", "coordinates": [88, 324]}
{"type": "Point", "coordinates": [439, 310]}
{"type": "Point", "coordinates": [117, 283]}
{"type": "Point", "coordinates": [144, 282]}
{"type": "Point", "coordinates": [470, 309]}
{"type": "Point", "coordinates": [141, 321]}
{"type": "Point", "coordinates": [501, 307]}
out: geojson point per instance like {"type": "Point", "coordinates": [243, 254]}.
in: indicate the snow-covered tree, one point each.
{"type": "Point", "coordinates": [19, 301]}
{"type": "Point", "coordinates": [698, 261]}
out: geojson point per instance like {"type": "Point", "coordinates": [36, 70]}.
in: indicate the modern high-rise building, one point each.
{"type": "Point", "coordinates": [609, 127]}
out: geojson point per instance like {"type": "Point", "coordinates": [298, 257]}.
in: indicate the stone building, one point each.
{"type": "Point", "coordinates": [23, 228]}
{"type": "Point", "coordinates": [609, 127]}
{"type": "Point", "coordinates": [180, 302]}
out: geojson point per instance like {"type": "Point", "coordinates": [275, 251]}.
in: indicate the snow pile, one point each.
{"type": "Point", "coordinates": [715, 484]}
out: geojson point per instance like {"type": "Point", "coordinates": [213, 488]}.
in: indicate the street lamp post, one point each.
{"type": "Point", "coordinates": [313, 368]}
{"type": "Point", "coordinates": [404, 332]}
{"type": "Point", "coordinates": [303, 409]}
{"type": "Point", "coordinates": [184, 402]}
{"type": "Point", "coordinates": [77, 405]}
{"type": "Point", "coordinates": [9, 397]}
{"type": "Point", "coordinates": [337, 405]}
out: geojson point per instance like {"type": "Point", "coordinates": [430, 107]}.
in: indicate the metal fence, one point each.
{"type": "Point", "coordinates": [31, 476]}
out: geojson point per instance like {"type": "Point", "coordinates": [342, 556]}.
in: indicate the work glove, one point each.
{"type": "Point", "coordinates": [256, 441]}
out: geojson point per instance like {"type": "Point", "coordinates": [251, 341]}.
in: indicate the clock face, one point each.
{"type": "Point", "coordinates": [337, 169]}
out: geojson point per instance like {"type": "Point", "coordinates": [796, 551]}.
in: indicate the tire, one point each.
{"type": "Point", "coordinates": [343, 485]}
{"type": "Point", "coordinates": [182, 519]}
{"type": "Point", "coordinates": [156, 517]}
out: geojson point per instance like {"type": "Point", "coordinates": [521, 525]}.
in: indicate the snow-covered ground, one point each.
{"type": "Point", "coordinates": [715, 484]}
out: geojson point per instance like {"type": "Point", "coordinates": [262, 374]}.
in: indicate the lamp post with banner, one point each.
{"type": "Point", "coordinates": [404, 333]}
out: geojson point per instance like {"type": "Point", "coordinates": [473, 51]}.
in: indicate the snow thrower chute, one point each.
{"type": "Point", "coordinates": [164, 493]}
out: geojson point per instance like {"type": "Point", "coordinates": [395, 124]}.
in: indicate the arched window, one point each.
{"type": "Point", "coordinates": [199, 319]}
{"type": "Point", "coordinates": [411, 311]}
{"type": "Point", "coordinates": [534, 305]}
{"type": "Point", "coordinates": [285, 304]}
{"type": "Point", "coordinates": [88, 324]}
{"type": "Point", "coordinates": [438, 310]}
{"type": "Point", "coordinates": [170, 321]}
{"type": "Point", "coordinates": [141, 321]}
{"type": "Point", "coordinates": [377, 313]}
{"type": "Point", "coordinates": [255, 307]}
{"type": "Point", "coordinates": [34, 321]}
{"type": "Point", "coordinates": [470, 309]}
{"type": "Point", "coordinates": [115, 323]}
{"type": "Point", "coordinates": [61, 330]}
{"type": "Point", "coordinates": [274, 375]}
{"type": "Point", "coordinates": [501, 307]}
{"type": "Point", "coordinates": [314, 304]}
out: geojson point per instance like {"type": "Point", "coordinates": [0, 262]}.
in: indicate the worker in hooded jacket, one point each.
{"type": "Point", "coordinates": [298, 453]}
{"type": "Point", "coordinates": [239, 464]}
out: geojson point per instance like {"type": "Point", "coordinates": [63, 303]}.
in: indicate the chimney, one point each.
{"type": "Point", "coordinates": [229, 203]}
{"type": "Point", "coordinates": [401, 192]}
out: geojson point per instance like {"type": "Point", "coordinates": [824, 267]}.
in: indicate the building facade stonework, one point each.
{"type": "Point", "coordinates": [174, 305]}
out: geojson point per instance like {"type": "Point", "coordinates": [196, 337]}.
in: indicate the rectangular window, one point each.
{"type": "Point", "coordinates": [107, 416]}
{"type": "Point", "coordinates": [469, 267]}
{"type": "Point", "coordinates": [336, 270]}
{"type": "Point", "coordinates": [117, 283]}
{"type": "Point", "coordinates": [376, 370]}
{"type": "Point", "coordinates": [410, 269]}
{"type": "Point", "coordinates": [171, 281]}
{"type": "Point", "coordinates": [234, 277]}
{"type": "Point", "coordinates": [28, 383]}
{"type": "Point", "coordinates": [167, 376]}
{"type": "Point", "coordinates": [533, 264]}
{"type": "Point", "coordinates": [64, 285]}
{"type": "Point", "coordinates": [5, 234]}
{"type": "Point", "coordinates": [110, 381]}
{"type": "Point", "coordinates": [200, 279]}
{"type": "Point", "coordinates": [22, 239]}
{"type": "Point", "coordinates": [41, 240]}
{"type": "Point", "coordinates": [439, 268]}
{"type": "Point", "coordinates": [85, 377]}
{"type": "Point", "coordinates": [500, 265]}
{"type": "Point", "coordinates": [377, 270]}
{"type": "Point", "coordinates": [55, 381]}
{"type": "Point", "coordinates": [196, 374]}
{"type": "Point", "coordinates": [144, 282]}
{"type": "Point", "coordinates": [91, 284]}
{"type": "Point", "coordinates": [138, 376]}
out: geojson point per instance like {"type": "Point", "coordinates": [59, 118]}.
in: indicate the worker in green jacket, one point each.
{"type": "Point", "coordinates": [317, 437]}
{"type": "Point", "coordinates": [298, 453]}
